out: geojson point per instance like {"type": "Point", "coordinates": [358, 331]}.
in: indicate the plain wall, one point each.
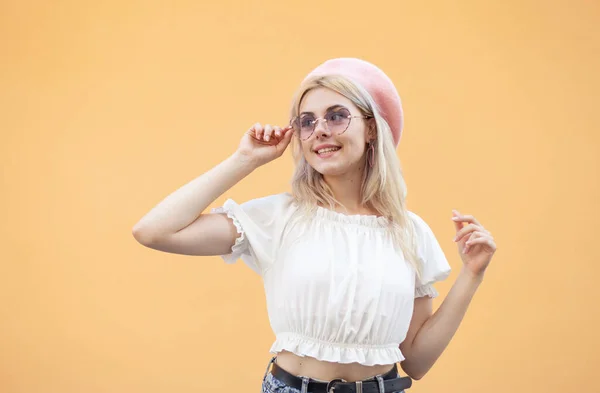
{"type": "Point", "coordinates": [107, 107]}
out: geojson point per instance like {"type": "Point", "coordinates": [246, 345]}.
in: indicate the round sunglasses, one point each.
{"type": "Point", "coordinates": [336, 120]}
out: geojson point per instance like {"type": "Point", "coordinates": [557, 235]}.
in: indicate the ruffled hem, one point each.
{"type": "Point", "coordinates": [426, 290]}
{"type": "Point", "coordinates": [240, 245]}
{"type": "Point", "coordinates": [368, 355]}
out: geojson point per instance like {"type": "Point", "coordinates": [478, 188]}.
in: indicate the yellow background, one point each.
{"type": "Point", "coordinates": [108, 106]}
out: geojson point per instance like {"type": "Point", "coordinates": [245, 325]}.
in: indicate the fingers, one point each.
{"type": "Point", "coordinates": [482, 239]}
{"type": "Point", "coordinates": [472, 234]}
{"type": "Point", "coordinates": [470, 229]}
{"type": "Point", "coordinates": [268, 133]}
{"type": "Point", "coordinates": [457, 224]}
{"type": "Point", "coordinates": [256, 131]}
{"type": "Point", "coordinates": [287, 137]}
{"type": "Point", "coordinates": [459, 218]}
{"type": "Point", "coordinates": [284, 141]}
{"type": "Point", "coordinates": [461, 230]}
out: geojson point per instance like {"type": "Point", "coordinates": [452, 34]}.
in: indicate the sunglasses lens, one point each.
{"type": "Point", "coordinates": [305, 126]}
{"type": "Point", "coordinates": [338, 120]}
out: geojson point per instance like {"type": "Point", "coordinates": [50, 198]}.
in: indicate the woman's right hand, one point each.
{"type": "Point", "coordinates": [260, 145]}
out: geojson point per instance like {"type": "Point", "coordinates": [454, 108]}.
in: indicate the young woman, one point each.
{"type": "Point", "coordinates": [348, 271]}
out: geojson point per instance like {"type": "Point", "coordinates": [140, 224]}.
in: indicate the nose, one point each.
{"type": "Point", "coordinates": [321, 129]}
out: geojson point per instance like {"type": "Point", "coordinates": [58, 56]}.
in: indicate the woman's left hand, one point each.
{"type": "Point", "coordinates": [476, 245]}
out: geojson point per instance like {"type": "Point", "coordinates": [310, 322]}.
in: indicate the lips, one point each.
{"type": "Point", "coordinates": [327, 152]}
{"type": "Point", "coordinates": [326, 149]}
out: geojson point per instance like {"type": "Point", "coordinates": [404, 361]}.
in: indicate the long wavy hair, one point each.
{"type": "Point", "coordinates": [383, 186]}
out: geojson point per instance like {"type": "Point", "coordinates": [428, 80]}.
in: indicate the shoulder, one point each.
{"type": "Point", "coordinates": [421, 227]}
{"type": "Point", "coordinates": [275, 207]}
{"type": "Point", "coordinates": [275, 201]}
{"type": "Point", "coordinates": [429, 250]}
{"type": "Point", "coordinates": [423, 233]}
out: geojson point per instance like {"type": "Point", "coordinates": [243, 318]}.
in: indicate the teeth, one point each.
{"type": "Point", "coordinates": [327, 150]}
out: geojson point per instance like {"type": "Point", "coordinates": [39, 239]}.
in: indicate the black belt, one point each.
{"type": "Point", "coordinates": [392, 383]}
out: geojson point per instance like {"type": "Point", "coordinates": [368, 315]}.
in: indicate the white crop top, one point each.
{"type": "Point", "coordinates": [336, 289]}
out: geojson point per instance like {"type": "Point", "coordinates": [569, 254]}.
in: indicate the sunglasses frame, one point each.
{"type": "Point", "coordinates": [315, 121]}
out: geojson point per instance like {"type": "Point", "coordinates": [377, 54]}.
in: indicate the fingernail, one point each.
{"type": "Point", "coordinates": [267, 138]}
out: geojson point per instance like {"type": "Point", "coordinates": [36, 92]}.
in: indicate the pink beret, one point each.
{"type": "Point", "coordinates": [375, 81]}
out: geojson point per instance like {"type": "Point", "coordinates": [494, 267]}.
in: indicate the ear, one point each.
{"type": "Point", "coordinates": [371, 129]}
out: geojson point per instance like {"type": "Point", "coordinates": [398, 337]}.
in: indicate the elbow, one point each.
{"type": "Point", "coordinates": [416, 376]}
{"type": "Point", "coordinates": [413, 372]}
{"type": "Point", "coordinates": [141, 235]}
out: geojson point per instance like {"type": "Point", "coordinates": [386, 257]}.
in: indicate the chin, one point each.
{"type": "Point", "coordinates": [327, 170]}
{"type": "Point", "coordinates": [333, 168]}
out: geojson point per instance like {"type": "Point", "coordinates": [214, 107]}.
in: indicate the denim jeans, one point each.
{"type": "Point", "coordinates": [273, 385]}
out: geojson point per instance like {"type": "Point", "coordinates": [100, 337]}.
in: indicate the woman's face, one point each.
{"type": "Point", "coordinates": [326, 150]}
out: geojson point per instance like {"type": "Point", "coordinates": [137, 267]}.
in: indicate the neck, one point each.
{"type": "Point", "coordinates": [347, 190]}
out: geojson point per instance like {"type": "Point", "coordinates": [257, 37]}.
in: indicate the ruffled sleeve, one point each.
{"type": "Point", "coordinates": [435, 266]}
{"type": "Point", "coordinates": [259, 223]}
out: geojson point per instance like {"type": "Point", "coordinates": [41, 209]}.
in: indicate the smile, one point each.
{"type": "Point", "coordinates": [327, 151]}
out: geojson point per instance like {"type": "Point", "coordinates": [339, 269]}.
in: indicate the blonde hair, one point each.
{"type": "Point", "coordinates": [383, 185]}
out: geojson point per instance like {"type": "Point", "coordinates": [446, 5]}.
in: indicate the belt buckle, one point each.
{"type": "Point", "coordinates": [331, 384]}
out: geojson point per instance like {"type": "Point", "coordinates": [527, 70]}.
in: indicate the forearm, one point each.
{"type": "Point", "coordinates": [183, 206]}
{"type": "Point", "coordinates": [435, 334]}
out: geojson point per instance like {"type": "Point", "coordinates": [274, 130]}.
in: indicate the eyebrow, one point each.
{"type": "Point", "coordinates": [327, 110]}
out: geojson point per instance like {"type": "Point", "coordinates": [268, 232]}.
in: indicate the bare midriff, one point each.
{"type": "Point", "coordinates": [327, 371]}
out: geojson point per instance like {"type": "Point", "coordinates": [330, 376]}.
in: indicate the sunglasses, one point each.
{"type": "Point", "coordinates": [337, 121]}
